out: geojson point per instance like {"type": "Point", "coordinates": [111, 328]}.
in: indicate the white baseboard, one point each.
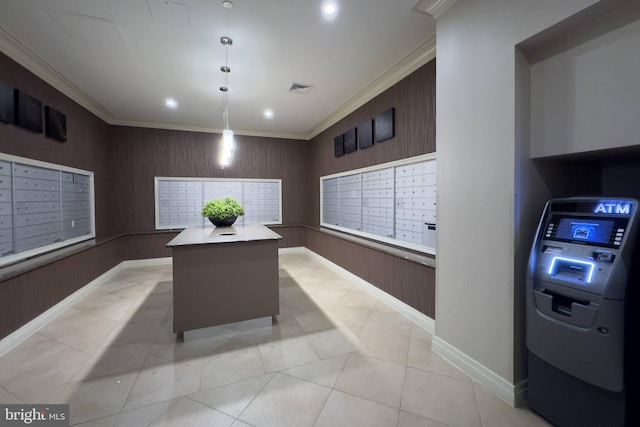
{"type": "Point", "coordinates": [513, 394]}
{"type": "Point", "coordinates": [24, 332]}
{"type": "Point", "coordinates": [149, 262]}
{"type": "Point", "coordinates": [295, 250]}
{"type": "Point", "coordinates": [420, 319]}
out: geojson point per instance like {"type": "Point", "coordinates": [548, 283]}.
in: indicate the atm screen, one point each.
{"type": "Point", "coordinates": [589, 230]}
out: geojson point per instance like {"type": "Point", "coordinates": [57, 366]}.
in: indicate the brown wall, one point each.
{"type": "Point", "coordinates": [414, 100]}
{"type": "Point", "coordinates": [87, 139]}
{"type": "Point", "coordinates": [411, 283]}
{"type": "Point", "coordinates": [27, 295]}
{"type": "Point", "coordinates": [141, 154]}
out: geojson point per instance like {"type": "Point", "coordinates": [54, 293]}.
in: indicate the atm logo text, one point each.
{"type": "Point", "coordinates": [613, 208]}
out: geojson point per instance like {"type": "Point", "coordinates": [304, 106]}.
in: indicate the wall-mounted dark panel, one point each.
{"type": "Point", "coordinates": [28, 112]}
{"type": "Point", "coordinates": [338, 145]}
{"type": "Point", "coordinates": [350, 141]}
{"type": "Point", "coordinates": [7, 104]}
{"type": "Point", "coordinates": [414, 100]}
{"type": "Point", "coordinates": [92, 154]}
{"type": "Point", "coordinates": [365, 134]}
{"type": "Point", "coordinates": [384, 124]}
{"type": "Point", "coordinates": [55, 124]}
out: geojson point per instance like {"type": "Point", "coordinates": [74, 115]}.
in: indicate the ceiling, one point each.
{"type": "Point", "coordinates": [122, 59]}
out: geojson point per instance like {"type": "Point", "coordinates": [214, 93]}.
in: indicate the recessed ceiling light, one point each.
{"type": "Point", "coordinates": [227, 4]}
{"type": "Point", "coordinates": [329, 9]}
{"type": "Point", "coordinates": [171, 103]}
{"type": "Point", "coordinates": [268, 114]}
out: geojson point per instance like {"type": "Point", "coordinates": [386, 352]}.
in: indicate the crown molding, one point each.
{"type": "Point", "coordinates": [23, 55]}
{"type": "Point", "coordinates": [433, 8]}
{"type": "Point", "coordinates": [205, 129]}
{"type": "Point", "coordinates": [407, 65]}
{"type": "Point", "coordinates": [19, 52]}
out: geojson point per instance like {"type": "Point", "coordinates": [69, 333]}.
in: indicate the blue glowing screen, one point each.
{"type": "Point", "coordinates": [586, 230]}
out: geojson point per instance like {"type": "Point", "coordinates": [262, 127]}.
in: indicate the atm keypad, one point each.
{"type": "Point", "coordinates": [550, 230]}
{"type": "Point", "coordinates": [617, 236]}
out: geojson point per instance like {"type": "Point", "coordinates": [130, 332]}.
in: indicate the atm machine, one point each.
{"type": "Point", "coordinates": [580, 321]}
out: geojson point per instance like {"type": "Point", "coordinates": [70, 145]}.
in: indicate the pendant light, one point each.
{"type": "Point", "coordinates": [227, 146]}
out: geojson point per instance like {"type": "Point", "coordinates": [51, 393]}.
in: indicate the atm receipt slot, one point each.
{"type": "Point", "coordinates": [603, 256]}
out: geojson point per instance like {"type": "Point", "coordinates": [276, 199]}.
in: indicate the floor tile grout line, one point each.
{"type": "Point", "coordinates": [264, 370]}
{"type": "Point", "coordinates": [365, 323]}
{"type": "Point", "coordinates": [140, 369]}
{"type": "Point", "coordinates": [406, 372]}
{"type": "Point", "coordinates": [323, 406]}
{"type": "Point", "coordinates": [399, 409]}
{"type": "Point", "coordinates": [440, 374]}
{"type": "Point", "coordinates": [11, 393]}
{"type": "Point", "coordinates": [475, 399]}
{"type": "Point", "coordinates": [121, 412]}
{"type": "Point", "coordinates": [162, 413]}
{"type": "Point", "coordinates": [379, 359]}
{"type": "Point", "coordinates": [98, 377]}
{"type": "Point", "coordinates": [188, 396]}
{"type": "Point", "coordinates": [341, 371]}
{"type": "Point", "coordinates": [71, 346]}
{"type": "Point", "coordinates": [273, 375]}
{"type": "Point", "coordinates": [404, 383]}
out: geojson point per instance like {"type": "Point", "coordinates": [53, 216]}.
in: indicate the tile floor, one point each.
{"type": "Point", "coordinates": [336, 356]}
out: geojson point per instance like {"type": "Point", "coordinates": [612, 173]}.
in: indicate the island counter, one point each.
{"type": "Point", "coordinates": [223, 275]}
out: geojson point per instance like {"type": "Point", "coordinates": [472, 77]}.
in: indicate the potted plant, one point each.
{"type": "Point", "coordinates": [223, 212]}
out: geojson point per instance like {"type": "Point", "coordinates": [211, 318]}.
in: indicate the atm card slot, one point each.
{"type": "Point", "coordinates": [547, 249]}
{"type": "Point", "coordinates": [571, 270]}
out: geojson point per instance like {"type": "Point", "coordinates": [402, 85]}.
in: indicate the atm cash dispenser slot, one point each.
{"type": "Point", "coordinates": [571, 310]}
{"type": "Point", "coordinates": [571, 270]}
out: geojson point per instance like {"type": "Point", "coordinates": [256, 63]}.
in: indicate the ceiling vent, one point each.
{"type": "Point", "coordinates": [300, 88]}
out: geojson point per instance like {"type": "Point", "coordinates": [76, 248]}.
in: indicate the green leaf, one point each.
{"type": "Point", "coordinates": [222, 208]}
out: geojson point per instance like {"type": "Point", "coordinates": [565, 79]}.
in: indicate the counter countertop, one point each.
{"type": "Point", "coordinates": [201, 235]}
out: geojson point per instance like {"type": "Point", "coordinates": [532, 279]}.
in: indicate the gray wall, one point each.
{"type": "Point", "coordinates": [479, 197]}
{"type": "Point", "coordinates": [587, 97]}
{"type": "Point", "coordinates": [545, 80]}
